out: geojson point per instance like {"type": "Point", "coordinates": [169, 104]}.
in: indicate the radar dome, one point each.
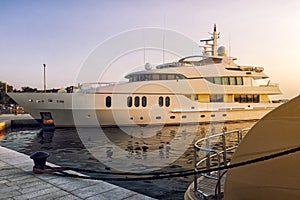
{"type": "Point", "coordinates": [148, 66]}
{"type": "Point", "coordinates": [222, 51]}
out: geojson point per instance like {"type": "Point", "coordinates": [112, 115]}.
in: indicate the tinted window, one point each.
{"type": "Point", "coordinates": [160, 101]}
{"type": "Point", "coordinates": [167, 101]}
{"type": "Point", "coordinates": [129, 101]}
{"type": "Point", "coordinates": [108, 101]}
{"type": "Point", "coordinates": [144, 101]}
{"type": "Point", "coordinates": [136, 101]}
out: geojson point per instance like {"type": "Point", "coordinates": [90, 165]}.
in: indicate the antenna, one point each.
{"type": "Point", "coordinates": [229, 45]}
{"type": "Point", "coordinates": [164, 39]}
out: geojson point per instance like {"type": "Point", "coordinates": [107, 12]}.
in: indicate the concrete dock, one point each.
{"type": "Point", "coordinates": [20, 120]}
{"type": "Point", "coordinates": [17, 181]}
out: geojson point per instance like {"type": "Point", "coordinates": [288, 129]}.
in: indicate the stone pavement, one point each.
{"type": "Point", "coordinates": [18, 182]}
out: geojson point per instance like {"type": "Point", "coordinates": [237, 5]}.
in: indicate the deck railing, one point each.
{"type": "Point", "coordinates": [215, 151]}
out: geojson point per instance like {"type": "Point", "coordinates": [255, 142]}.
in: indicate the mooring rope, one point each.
{"type": "Point", "coordinates": [160, 175]}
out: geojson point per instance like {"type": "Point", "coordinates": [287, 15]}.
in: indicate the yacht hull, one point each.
{"type": "Point", "coordinates": [90, 110]}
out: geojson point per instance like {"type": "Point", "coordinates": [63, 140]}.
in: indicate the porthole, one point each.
{"type": "Point", "coordinates": [129, 101]}
{"type": "Point", "coordinates": [184, 116]}
{"type": "Point", "coordinates": [144, 101]}
{"type": "Point", "coordinates": [108, 101]}
{"type": "Point", "coordinates": [213, 115]}
{"type": "Point", "coordinates": [160, 101]}
{"type": "Point", "coordinates": [141, 118]}
{"type": "Point", "coordinates": [158, 117]}
{"type": "Point", "coordinates": [136, 101]}
{"type": "Point", "coordinates": [224, 115]}
{"type": "Point", "coordinates": [202, 116]}
{"type": "Point", "coordinates": [167, 101]}
{"type": "Point", "coordinates": [172, 117]}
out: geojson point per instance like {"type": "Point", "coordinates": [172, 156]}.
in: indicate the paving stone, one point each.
{"type": "Point", "coordinates": [8, 189]}
{"type": "Point", "coordinates": [117, 193]}
{"type": "Point", "coordinates": [36, 188]}
{"type": "Point", "coordinates": [31, 184]}
{"type": "Point", "coordinates": [75, 184]}
{"type": "Point", "coordinates": [7, 195]}
{"type": "Point", "coordinates": [36, 194]}
{"type": "Point", "coordinates": [68, 197]}
{"type": "Point", "coordinates": [139, 197]}
{"type": "Point", "coordinates": [93, 190]}
{"type": "Point", "coordinates": [32, 179]}
{"type": "Point", "coordinates": [54, 195]}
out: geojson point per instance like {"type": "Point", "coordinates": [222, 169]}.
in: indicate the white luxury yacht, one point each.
{"type": "Point", "coordinates": [196, 89]}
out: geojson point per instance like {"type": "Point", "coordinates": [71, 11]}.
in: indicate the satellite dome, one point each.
{"type": "Point", "coordinates": [222, 51]}
{"type": "Point", "coordinates": [148, 66]}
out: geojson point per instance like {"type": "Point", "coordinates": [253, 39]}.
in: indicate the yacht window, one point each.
{"type": "Point", "coordinates": [225, 80]}
{"type": "Point", "coordinates": [167, 101]}
{"type": "Point", "coordinates": [129, 101]}
{"type": "Point", "coordinates": [171, 77]}
{"type": "Point", "coordinates": [216, 98]}
{"type": "Point", "coordinates": [155, 76]}
{"type": "Point", "coordinates": [144, 101]}
{"type": "Point", "coordinates": [246, 98]}
{"type": "Point", "coordinates": [218, 80]}
{"type": "Point", "coordinates": [160, 101]}
{"type": "Point", "coordinates": [180, 77]}
{"type": "Point", "coordinates": [249, 98]}
{"type": "Point", "coordinates": [108, 101]}
{"type": "Point", "coordinates": [232, 80]}
{"type": "Point", "coordinates": [239, 80]}
{"type": "Point", "coordinates": [148, 77]}
{"type": "Point", "coordinates": [256, 98]}
{"type": "Point", "coordinates": [237, 98]}
{"type": "Point", "coordinates": [136, 101]}
{"type": "Point", "coordinates": [243, 99]}
{"type": "Point", "coordinates": [163, 77]}
{"type": "Point", "coordinates": [210, 79]}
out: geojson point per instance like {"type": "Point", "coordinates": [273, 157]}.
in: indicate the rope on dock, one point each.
{"type": "Point", "coordinates": [159, 175]}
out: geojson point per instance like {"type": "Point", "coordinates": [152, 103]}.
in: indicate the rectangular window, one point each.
{"type": "Point", "coordinates": [171, 77]}
{"type": "Point", "coordinates": [163, 77]}
{"type": "Point", "coordinates": [237, 98]}
{"type": "Point", "coordinates": [155, 76]}
{"type": "Point", "coordinates": [256, 98]}
{"type": "Point", "coordinates": [249, 98]}
{"type": "Point", "coordinates": [243, 99]}
{"type": "Point", "coordinates": [218, 80]}
{"type": "Point", "coordinates": [225, 80]}
{"type": "Point", "coordinates": [239, 80]}
{"type": "Point", "coordinates": [232, 80]}
{"type": "Point", "coordinates": [216, 98]}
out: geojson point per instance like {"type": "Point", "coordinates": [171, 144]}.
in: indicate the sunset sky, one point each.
{"type": "Point", "coordinates": [63, 33]}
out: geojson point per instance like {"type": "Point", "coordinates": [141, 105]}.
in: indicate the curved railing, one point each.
{"type": "Point", "coordinates": [215, 151]}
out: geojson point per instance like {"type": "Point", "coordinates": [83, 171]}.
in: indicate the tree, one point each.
{"type": "Point", "coordinates": [4, 98]}
{"type": "Point", "coordinates": [28, 89]}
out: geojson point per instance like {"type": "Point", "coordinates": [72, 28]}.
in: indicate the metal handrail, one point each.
{"type": "Point", "coordinates": [212, 152]}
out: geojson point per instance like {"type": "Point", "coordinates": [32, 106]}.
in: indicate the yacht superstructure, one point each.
{"type": "Point", "coordinates": [195, 89]}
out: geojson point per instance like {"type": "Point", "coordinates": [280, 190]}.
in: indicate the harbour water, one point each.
{"type": "Point", "coordinates": [137, 149]}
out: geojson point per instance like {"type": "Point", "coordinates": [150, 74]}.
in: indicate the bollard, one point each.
{"type": "Point", "coordinates": [39, 158]}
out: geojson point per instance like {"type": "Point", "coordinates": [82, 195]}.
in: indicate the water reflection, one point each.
{"type": "Point", "coordinates": [142, 146]}
{"type": "Point", "coordinates": [45, 137]}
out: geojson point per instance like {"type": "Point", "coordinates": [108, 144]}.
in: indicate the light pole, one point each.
{"type": "Point", "coordinates": [44, 78]}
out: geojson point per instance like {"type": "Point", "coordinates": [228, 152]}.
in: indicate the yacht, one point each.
{"type": "Point", "coordinates": [209, 87]}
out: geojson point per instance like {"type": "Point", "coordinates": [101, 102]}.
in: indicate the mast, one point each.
{"type": "Point", "coordinates": [211, 48]}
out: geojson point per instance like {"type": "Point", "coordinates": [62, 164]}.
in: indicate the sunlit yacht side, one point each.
{"type": "Point", "coordinates": [195, 89]}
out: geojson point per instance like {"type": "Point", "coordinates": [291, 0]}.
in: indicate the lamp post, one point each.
{"type": "Point", "coordinates": [44, 78]}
